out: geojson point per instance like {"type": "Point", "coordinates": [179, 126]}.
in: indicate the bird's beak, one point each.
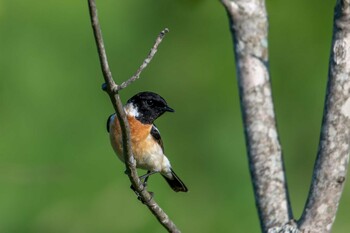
{"type": "Point", "coordinates": [169, 109]}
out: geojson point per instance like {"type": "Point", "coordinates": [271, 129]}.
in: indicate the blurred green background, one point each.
{"type": "Point", "coordinates": [58, 172]}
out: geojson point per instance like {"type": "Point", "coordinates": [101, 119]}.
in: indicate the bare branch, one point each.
{"type": "Point", "coordinates": [100, 45]}
{"type": "Point", "coordinates": [290, 227]}
{"type": "Point", "coordinates": [112, 90]}
{"type": "Point", "coordinates": [333, 152]}
{"type": "Point", "coordinates": [249, 27]}
{"type": "Point", "coordinates": [146, 61]}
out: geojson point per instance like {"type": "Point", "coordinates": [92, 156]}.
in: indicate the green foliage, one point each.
{"type": "Point", "coordinates": [58, 172]}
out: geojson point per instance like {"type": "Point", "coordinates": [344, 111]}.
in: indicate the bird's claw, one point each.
{"type": "Point", "coordinates": [139, 196]}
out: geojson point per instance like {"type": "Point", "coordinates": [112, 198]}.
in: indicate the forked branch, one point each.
{"type": "Point", "coordinates": [112, 89]}
{"type": "Point", "coordinates": [248, 22]}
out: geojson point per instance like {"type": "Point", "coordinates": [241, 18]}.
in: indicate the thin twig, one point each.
{"type": "Point", "coordinates": [249, 29]}
{"type": "Point", "coordinates": [146, 61]}
{"type": "Point", "coordinates": [112, 90]}
{"type": "Point", "coordinates": [107, 74]}
{"type": "Point", "coordinates": [333, 154]}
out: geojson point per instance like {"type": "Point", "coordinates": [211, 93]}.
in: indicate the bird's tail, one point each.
{"type": "Point", "coordinates": [175, 182]}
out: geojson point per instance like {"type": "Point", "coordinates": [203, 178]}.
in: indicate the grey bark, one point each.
{"type": "Point", "coordinates": [333, 152]}
{"type": "Point", "coordinates": [248, 22]}
{"type": "Point", "coordinates": [249, 27]}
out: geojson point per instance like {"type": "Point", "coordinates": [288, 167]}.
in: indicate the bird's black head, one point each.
{"type": "Point", "coordinates": [147, 106]}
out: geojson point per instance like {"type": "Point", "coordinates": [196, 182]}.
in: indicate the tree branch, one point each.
{"type": "Point", "coordinates": [145, 62]}
{"type": "Point", "coordinates": [333, 153]}
{"type": "Point", "coordinates": [249, 28]}
{"type": "Point", "coordinates": [112, 90]}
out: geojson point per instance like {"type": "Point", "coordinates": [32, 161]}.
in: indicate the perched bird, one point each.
{"type": "Point", "coordinates": [142, 110]}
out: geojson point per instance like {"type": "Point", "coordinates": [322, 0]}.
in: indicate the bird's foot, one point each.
{"type": "Point", "coordinates": [139, 196]}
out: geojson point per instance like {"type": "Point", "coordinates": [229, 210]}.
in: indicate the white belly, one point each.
{"type": "Point", "coordinates": [151, 158]}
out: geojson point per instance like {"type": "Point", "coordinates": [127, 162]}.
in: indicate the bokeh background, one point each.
{"type": "Point", "coordinates": [58, 172]}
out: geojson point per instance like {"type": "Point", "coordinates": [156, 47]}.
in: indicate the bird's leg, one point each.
{"type": "Point", "coordinates": [144, 183]}
{"type": "Point", "coordinates": [146, 176]}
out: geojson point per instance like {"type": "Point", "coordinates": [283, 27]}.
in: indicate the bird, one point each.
{"type": "Point", "coordinates": [147, 146]}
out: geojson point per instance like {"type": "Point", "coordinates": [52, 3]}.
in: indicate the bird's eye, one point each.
{"type": "Point", "coordinates": [149, 102]}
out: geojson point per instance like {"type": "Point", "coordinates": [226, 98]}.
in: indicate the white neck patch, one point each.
{"type": "Point", "coordinates": [131, 110]}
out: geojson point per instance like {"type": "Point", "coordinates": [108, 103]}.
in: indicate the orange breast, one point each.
{"type": "Point", "coordinates": [139, 133]}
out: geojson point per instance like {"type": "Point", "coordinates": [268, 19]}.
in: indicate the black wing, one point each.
{"type": "Point", "coordinates": [109, 122]}
{"type": "Point", "coordinates": [156, 135]}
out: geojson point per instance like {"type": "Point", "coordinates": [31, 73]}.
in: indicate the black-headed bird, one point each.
{"type": "Point", "coordinates": [147, 147]}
